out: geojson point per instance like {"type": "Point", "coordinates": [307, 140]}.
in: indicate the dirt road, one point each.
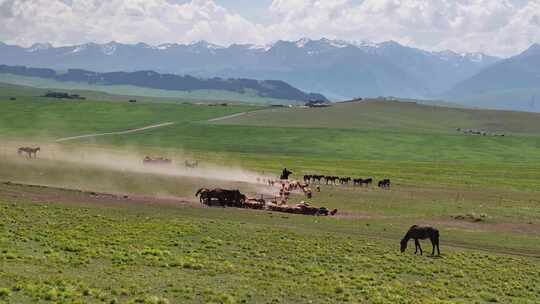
{"type": "Point", "coordinates": [226, 117]}
{"type": "Point", "coordinates": [165, 124]}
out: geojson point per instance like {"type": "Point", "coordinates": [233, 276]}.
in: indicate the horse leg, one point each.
{"type": "Point", "coordinates": [415, 246]}
{"type": "Point", "coordinates": [417, 243]}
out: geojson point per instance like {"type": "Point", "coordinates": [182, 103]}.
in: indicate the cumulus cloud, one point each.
{"type": "Point", "coordinates": [499, 27]}
{"type": "Point", "coordinates": [152, 21]}
{"type": "Point", "coordinates": [502, 27]}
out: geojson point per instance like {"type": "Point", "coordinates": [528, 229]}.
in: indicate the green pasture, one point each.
{"type": "Point", "coordinates": [482, 192]}
{"type": "Point", "coordinates": [145, 254]}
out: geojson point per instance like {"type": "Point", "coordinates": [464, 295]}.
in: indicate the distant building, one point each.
{"type": "Point", "coordinates": [317, 104]}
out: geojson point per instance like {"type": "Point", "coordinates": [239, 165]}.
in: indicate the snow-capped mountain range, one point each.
{"type": "Point", "coordinates": [337, 68]}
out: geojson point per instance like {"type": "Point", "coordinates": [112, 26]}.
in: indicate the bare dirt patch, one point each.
{"type": "Point", "coordinates": [45, 194]}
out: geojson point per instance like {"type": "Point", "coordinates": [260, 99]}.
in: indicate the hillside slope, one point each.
{"type": "Point", "coordinates": [510, 84]}
{"type": "Point", "coordinates": [394, 116]}
{"type": "Point", "coordinates": [170, 82]}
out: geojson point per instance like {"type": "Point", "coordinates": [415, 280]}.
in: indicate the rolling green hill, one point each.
{"type": "Point", "coordinates": [394, 116]}
{"type": "Point", "coordinates": [146, 93]}
{"type": "Point", "coordinates": [389, 138]}
{"type": "Point", "coordinates": [120, 232]}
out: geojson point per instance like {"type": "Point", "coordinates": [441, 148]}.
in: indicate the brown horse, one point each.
{"type": "Point", "coordinates": [222, 197]}
{"type": "Point", "coordinates": [29, 151]}
{"type": "Point", "coordinates": [421, 233]}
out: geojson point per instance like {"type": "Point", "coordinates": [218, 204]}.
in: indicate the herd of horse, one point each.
{"type": "Point", "coordinates": [234, 198]}
{"type": "Point", "coordinates": [336, 180]}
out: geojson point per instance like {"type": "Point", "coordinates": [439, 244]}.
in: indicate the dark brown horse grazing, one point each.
{"type": "Point", "coordinates": [421, 233]}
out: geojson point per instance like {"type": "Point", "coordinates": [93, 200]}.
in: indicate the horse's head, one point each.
{"type": "Point", "coordinates": [403, 244]}
{"type": "Point", "coordinates": [38, 149]}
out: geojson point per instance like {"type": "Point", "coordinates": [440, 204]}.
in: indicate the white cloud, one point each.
{"type": "Point", "coordinates": [501, 27]}
{"type": "Point", "coordinates": [152, 21]}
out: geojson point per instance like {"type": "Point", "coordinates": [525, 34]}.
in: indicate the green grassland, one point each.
{"type": "Point", "coordinates": [413, 151]}
{"type": "Point", "coordinates": [50, 119]}
{"type": "Point", "coordinates": [480, 191]}
{"type": "Point", "coordinates": [144, 254]}
{"type": "Point", "coordinates": [395, 116]}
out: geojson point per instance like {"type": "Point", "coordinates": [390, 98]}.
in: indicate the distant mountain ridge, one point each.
{"type": "Point", "coordinates": [513, 83]}
{"type": "Point", "coordinates": [149, 79]}
{"type": "Point", "coordinates": [335, 68]}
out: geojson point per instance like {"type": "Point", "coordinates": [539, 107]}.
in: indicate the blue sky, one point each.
{"type": "Point", "coordinates": [252, 9]}
{"type": "Point", "coordinates": [498, 27]}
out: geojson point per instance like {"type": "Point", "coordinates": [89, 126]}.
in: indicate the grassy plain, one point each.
{"type": "Point", "coordinates": [481, 192]}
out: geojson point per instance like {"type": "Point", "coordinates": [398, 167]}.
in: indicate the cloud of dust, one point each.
{"type": "Point", "coordinates": [128, 160]}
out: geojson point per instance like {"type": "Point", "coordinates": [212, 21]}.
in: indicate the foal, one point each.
{"type": "Point", "coordinates": [421, 233]}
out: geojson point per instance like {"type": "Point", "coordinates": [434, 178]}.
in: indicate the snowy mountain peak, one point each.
{"type": "Point", "coordinates": [302, 42]}
{"type": "Point", "coordinates": [109, 48]}
{"type": "Point", "coordinates": [206, 44]}
{"type": "Point", "coordinates": [36, 47]}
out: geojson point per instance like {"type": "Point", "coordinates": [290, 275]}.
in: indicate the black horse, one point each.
{"type": "Point", "coordinates": [384, 184]}
{"type": "Point", "coordinates": [421, 233]}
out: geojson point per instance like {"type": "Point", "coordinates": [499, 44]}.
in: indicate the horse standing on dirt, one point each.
{"type": "Point", "coordinates": [222, 197]}
{"type": "Point", "coordinates": [29, 151]}
{"type": "Point", "coordinates": [421, 233]}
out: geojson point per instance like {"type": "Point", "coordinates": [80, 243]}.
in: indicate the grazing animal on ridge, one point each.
{"type": "Point", "coordinates": [421, 233]}
{"type": "Point", "coordinates": [29, 151]}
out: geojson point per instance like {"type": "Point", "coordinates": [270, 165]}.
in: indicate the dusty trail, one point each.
{"type": "Point", "coordinates": [227, 117]}
{"type": "Point", "coordinates": [155, 126]}
{"type": "Point", "coordinates": [45, 194]}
